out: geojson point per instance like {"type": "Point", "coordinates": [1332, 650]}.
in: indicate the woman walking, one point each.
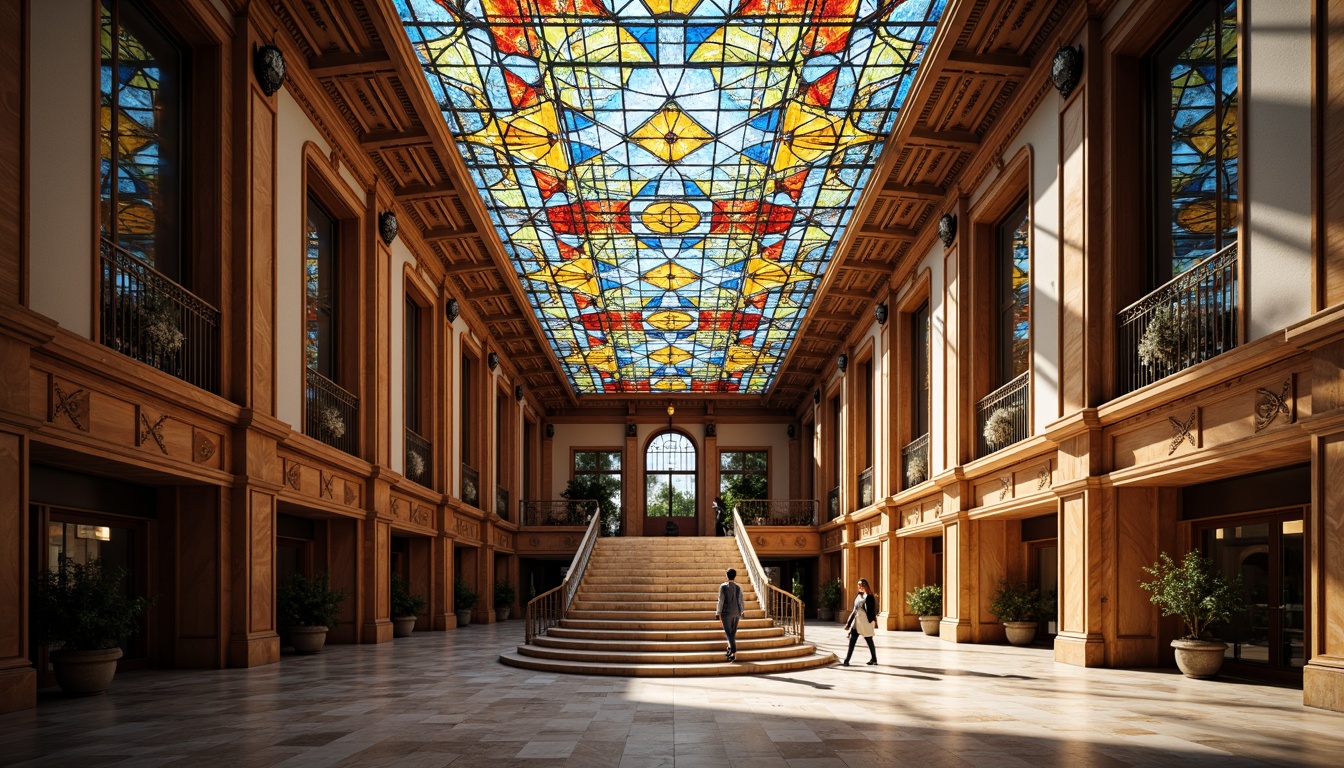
{"type": "Point", "coordinates": [862, 621]}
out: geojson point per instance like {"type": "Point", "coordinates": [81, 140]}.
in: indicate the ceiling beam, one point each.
{"type": "Point", "coordinates": [375, 141]}
{"type": "Point", "coordinates": [471, 266]}
{"type": "Point", "coordinates": [495, 293]}
{"type": "Point", "coordinates": [866, 266]}
{"type": "Point", "coordinates": [413, 192]}
{"type": "Point", "coordinates": [896, 233]}
{"type": "Point", "coordinates": [341, 64]}
{"type": "Point", "coordinates": [441, 234]}
{"type": "Point", "coordinates": [845, 293]}
{"type": "Point", "coordinates": [922, 191]}
{"type": "Point", "coordinates": [991, 64]}
{"type": "Point", "coordinates": [954, 139]}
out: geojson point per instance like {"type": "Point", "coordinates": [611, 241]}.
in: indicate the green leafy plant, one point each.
{"type": "Point", "coordinates": [1195, 591]}
{"type": "Point", "coordinates": [403, 602]}
{"type": "Point", "coordinates": [605, 489]}
{"type": "Point", "coordinates": [464, 599]}
{"type": "Point", "coordinates": [830, 594]}
{"type": "Point", "coordinates": [1160, 340]}
{"type": "Point", "coordinates": [84, 607]}
{"type": "Point", "coordinates": [308, 602]}
{"type": "Point", "coordinates": [926, 600]}
{"type": "Point", "coordinates": [504, 595]}
{"type": "Point", "coordinates": [797, 587]}
{"type": "Point", "coordinates": [1016, 602]}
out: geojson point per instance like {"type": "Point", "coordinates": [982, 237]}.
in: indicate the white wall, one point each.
{"type": "Point", "coordinates": [1276, 166]}
{"type": "Point", "coordinates": [569, 437]}
{"type": "Point", "coordinates": [773, 437]}
{"type": "Point", "coordinates": [62, 163]}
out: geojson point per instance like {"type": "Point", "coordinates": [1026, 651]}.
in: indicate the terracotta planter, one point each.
{"type": "Point", "coordinates": [463, 618]}
{"type": "Point", "coordinates": [1199, 658]}
{"type": "Point", "coordinates": [825, 614]}
{"type": "Point", "coordinates": [502, 614]}
{"type": "Point", "coordinates": [1020, 632]}
{"type": "Point", "coordinates": [85, 673]}
{"type": "Point", "coordinates": [930, 624]}
{"type": "Point", "coordinates": [308, 639]}
{"type": "Point", "coordinates": [403, 626]}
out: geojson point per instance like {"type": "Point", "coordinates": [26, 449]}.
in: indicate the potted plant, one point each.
{"type": "Point", "coordinates": [463, 601]}
{"type": "Point", "coordinates": [927, 603]}
{"type": "Point", "coordinates": [405, 607]}
{"type": "Point", "coordinates": [1018, 606]}
{"type": "Point", "coordinates": [83, 615]}
{"type": "Point", "coordinates": [828, 600]}
{"type": "Point", "coordinates": [307, 608]}
{"type": "Point", "coordinates": [797, 586]}
{"type": "Point", "coordinates": [504, 597]}
{"type": "Point", "coordinates": [1200, 595]}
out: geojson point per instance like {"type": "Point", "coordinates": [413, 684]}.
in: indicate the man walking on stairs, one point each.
{"type": "Point", "coordinates": [729, 611]}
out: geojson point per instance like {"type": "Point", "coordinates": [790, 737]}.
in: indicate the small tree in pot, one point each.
{"type": "Point", "coordinates": [405, 607]}
{"type": "Point", "coordinates": [926, 602]}
{"type": "Point", "coordinates": [307, 608]}
{"type": "Point", "coordinates": [504, 597]}
{"type": "Point", "coordinates": [828, 600]}
{"type": "Point", "coordinates": [1201, 596]}
{"type": "Point", "coordinates": [1018, 606]}
{"type": "Point", "coordinates": [83, 614]}
{"type": "Point", "coordinates": [464, 599]}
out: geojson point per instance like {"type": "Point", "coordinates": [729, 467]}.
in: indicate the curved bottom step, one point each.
{"type": "Point", "coordinates": [718, 669]}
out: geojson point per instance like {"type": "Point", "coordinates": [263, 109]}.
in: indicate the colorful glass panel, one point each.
{"type": "Point", "coordinates": [1015, 294]}
{"type": "Point", "coordinates": [670, 177]}
{"type": "Point", "coordinates": [139, 100]}
{"type": "Point", "coordinates": [1204, 143]}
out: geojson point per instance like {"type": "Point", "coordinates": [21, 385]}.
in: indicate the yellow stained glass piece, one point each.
{"type": "Point", "coordinates": [671, 7]}
{"type": "Point", "coordinates": [668, 385]}
{"type": "Point", "coordinates": [741, 358]}
{"type": "Point", "coordinates": [577, 275]}
{"type": "Point", "coordinates": [670, 276]}
{"type": "Point", "coordinates": [670, 355]}
{"type": "Point", "coordinates": [671, 134]}
{"type": "Point", "coordinates": [669, 320]}
{"type": "Point", "coordinates": [532, 135]}
{"type": "Point", "coordinates": [670, 218]}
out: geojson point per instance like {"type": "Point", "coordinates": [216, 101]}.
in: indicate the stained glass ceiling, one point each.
{"type": "Point", "coordinates": [670, 177]}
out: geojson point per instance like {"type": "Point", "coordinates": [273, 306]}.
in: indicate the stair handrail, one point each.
{"type": "Point", "coordinates": [547, 609]}
{"type": "Point", "coordinates": [785, 609]}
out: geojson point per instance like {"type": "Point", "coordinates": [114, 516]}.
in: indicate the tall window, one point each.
{"type": "Point", "coordinates": [743, 475]}
{"type": "Point", "coordinates": [411, 355]}
{"type": "Point", "coordinates": [1014, 289]}
{"type": "Point", "coordinates": [597, 475]}
{"type": "Point", "coordinates": [670, 477]}
{"type": "Point", "coordinates": [141, 139]}
{"type": "Point", "coordinates": [919, 371]}
{"type": "Point", "coordinates": [1196, 164]}
{"type": "Point", "coordinates": [319, 339]}
{"type": "Point", "coordinates": [466, 417]}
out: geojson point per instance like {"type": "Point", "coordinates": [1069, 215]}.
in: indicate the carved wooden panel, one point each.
{"type": "Point", "coordinates": [786, 541]}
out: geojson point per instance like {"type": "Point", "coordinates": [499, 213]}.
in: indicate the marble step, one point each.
{"type": "Point", "coordinates": [672, 635]}
{"type": "Point", "coordinates": [713, 669]}
{"type": "Point", "coordinates": [627, 623]}
{"type": "Point", "coordinates": [710, 656]}
{"type": "Point", "coordinates": [647, 616]}
{"type": "Point", "coordinates": [655, 645]}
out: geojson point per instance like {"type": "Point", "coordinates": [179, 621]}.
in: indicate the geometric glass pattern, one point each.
{"type": "Point", "coordinates": [670, 177]}
{"type": "Point", "coordinates": [1015, 294]}
{"type": "Point", "coordinates": [139, 147]}
{"type": "Point", "coordinates": [1204, 143]}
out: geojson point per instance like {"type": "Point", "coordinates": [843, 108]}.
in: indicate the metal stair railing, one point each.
{"type": "Point", "coordinates": [783, 608]}
{"type": "Point", "coordinates": [547, 609]}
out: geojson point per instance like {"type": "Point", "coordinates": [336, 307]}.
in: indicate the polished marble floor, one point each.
{"type": "Point", "coordinates": [442, 699]}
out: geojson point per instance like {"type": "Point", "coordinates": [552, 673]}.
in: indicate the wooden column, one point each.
{"type": "Point", "coordinates": [375, 583]}
{"type": "Point", "coordinates": [1084, 556]}
{"type": "Point", "coordinates": [441, 574]}
{"type": "Point", "coordinates": [1323, 678]}
{"type": "Point", "coordinates": [20, 331]}
{"type": "Point", "coordinates": [251, 546]}
{"type": "Point", "coordinates": [710, 462]}
{"type": "Point", "coordinates": [959, 590]}
{"type": "Point", "coordinates": [633, 488]}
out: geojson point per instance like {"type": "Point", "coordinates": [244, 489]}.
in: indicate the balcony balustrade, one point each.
{"type": "Point", "coordinates": [331, 414]}
{"type": "Point", "coordinates": [915, 461]}
{"type": "Point", "coordinates": [1002, 418]}
{"type": "Point", "coordinates": [778, 511]}
{"type": "Point", "coordinates": [419, 459]}
{"type": "Point", "coordinates": [1191, 319]}
{"type": "Point", "coordinates": [148, 317]}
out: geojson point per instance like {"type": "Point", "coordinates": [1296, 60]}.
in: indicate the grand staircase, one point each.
{"type": "Point", "coordinates": [645, 608]}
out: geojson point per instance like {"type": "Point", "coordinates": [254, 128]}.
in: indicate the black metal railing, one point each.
{"type": "Point", "coordinates": [777, 511]}
{"type": "Point", "coordinates": [557, 511]}
{"type": "Point", "coordinates": [332, 414]}
{"type": "Point", "coordinates": [866, 488]}
{"type": "Point", "coordinates": [833, 503]}
{"type": "Point", "coordinates": [915, 461]}
{"type": "Point", "coordinates": [502, 502]}
{"type": "Point", "coordinates": [1001, 419]}
{"type": "Point", "coordinates": [419, 459]}
{"type": "Point", "coordinates": [1191, 319]}
{"type": "Point", "coordinates": [471, 486]}
{"type": "Point", "coordinates": [147, 316]}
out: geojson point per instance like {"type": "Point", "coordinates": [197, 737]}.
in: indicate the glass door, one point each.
{"type": "Point", "coordinates": [1268, 551]}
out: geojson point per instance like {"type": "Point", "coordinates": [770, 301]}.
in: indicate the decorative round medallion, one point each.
{"type": "Point", "coordinates": [268, 64]}
{"type": "Point", "coordinates": [947, 229]}
{"type": "Point", "coordinates": [1067, 69]}
{"type": "Point", "coordinates": [387, 227]}
{"type": "Point", "coordinates": [452, 309]}
{"type": "Point", "coordinates": [880, 312]}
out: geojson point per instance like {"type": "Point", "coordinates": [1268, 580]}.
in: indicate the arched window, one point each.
{"type": "Point", "coordinates": [670, 476]}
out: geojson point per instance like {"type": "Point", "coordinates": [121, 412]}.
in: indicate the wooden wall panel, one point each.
{"type": "Point", "coordinates": [198, 578]}
{"type": "Point", "coordinates": [13, 101]}
{"type": "Point", "coordinates": [261, 196]}
{"type": "Point", "coordinates": [1073, 564]}
{"type": "Point", "coordinates": [1073, 218]}
{"type": "Point", "coordinates": [1330, 113]}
